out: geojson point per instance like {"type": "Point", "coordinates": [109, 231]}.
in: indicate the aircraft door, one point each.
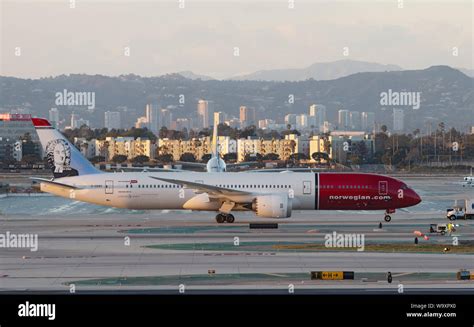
{"type": "Point", "coordinates": [109, 187]}
{"type": "Point", "coordinates": [306, 187]}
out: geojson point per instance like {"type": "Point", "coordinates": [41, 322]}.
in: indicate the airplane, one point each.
{"type": "Point", "coordinates": [216, 164]}
{"type": "Point", "coordinates": [468, 180]}
{"type": "Point", "coordinates": [269, 195]}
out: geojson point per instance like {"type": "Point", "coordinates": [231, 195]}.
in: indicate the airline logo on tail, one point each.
{"type": "Point", "coordinates": [62, 157]}
{"type": "Point", "coordinates": [58, 156]}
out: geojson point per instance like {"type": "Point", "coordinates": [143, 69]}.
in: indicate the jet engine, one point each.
{"type": "Point", "coordinates": [273, 206]}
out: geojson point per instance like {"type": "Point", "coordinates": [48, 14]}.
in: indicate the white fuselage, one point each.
{"type": "Point", "coordinates": [140, 191]}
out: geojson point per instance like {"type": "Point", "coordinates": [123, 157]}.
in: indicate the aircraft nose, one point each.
{"type": "Point", "coordinates": [415, 198]}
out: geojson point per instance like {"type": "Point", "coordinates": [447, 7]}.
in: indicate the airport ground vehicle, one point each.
{"type": "Point", "coordinates": [438, 228]}
{"type": "Point", "coordinates": [468, 180]}
{"type": "Point", "coordinates": [463, 211]}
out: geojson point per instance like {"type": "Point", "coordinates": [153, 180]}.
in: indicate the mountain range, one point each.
{"type": "Point", "coordinates": [446, 95]}
{"type": "Point", "coordinates": [318, 71]}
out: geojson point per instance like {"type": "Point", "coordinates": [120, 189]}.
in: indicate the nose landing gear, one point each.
{"type": "Point", "coordinates": [387, 217]}
{"type": "Point", "coordinates": [221, 218]}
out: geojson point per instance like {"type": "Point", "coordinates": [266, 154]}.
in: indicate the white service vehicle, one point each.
{"type": "Point", "coordinates": [464, 211]}
{"type": "Point", "coordinates": [468, 180]}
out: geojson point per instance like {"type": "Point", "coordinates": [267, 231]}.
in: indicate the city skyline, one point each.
{"type": "Point", "coordinates": [156, 118]}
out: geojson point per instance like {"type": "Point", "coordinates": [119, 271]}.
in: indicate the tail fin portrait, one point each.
{"type": "Point", "coordinates": [63, 158]}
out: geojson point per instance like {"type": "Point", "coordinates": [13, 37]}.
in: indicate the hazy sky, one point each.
{"type": "Point", "coordinates": [90, 38]}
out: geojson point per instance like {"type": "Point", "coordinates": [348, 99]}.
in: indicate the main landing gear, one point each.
{"type": "Point", "coordinates": [222, 217]}
{"type": "Point", "coordinates": [387, 217]}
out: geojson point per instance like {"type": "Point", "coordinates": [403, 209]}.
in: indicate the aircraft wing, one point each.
{"type": "Point", "coordinates": [211, 189]}
{"type": "Point", "coordinates": [192, 164]}
{"type": "Point", "coordinates": [145, 169]}
{"type": "Point", "coordinates": [244, 163]}
{"type": "Point", "coordinates": [243, 166]}
{"type": "Point", "coordinates": [49, 181]}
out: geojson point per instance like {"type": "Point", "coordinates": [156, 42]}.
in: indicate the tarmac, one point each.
{"type": "Point", "coordinates": [98, 249]}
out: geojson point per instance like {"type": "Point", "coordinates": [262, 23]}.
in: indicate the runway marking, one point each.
{"type": "Point", "coordinates": [276, 275]}
{"type": "Point", "coordinates": [405, 274]}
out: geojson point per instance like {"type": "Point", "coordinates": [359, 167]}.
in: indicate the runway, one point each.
{"type": "Point", "coordinates": [108, 250]}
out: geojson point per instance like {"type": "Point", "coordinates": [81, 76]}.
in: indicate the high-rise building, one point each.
{"type": "Point", "coordinates": [355, 120]}
{"type": "Point", "coordinates": [317, 115]}
{"type": "Point", "coordinates": [166, 116]}
{"type": "Point", "coordinates": [367, 121]}
{"type": "Point", "coordinates": [112, 120]}
{"type": "Point", "coordinates": [398, 120]}
{"type": "Point", "coordinates": [151, 113]}
{"type": "Point", "coordinates": [203, 113]}
{"type": "Point", "coordinates": [313, 109]}
{"type": "Point", "coordinates": [127, 116]}
{"type": "Point", "coordinates": [301, 121]}
{"type": "Point", "coordinates": [343, 119]}
{"type": "Point", "coordinates": [77, 122]}
{"type": "Point", "coordinates": [219, 117]}
{"type": "Point", "coordinates": [73, 123]}
{"type": "Point", "coordinates": [247, 116]}
{"type": "Point", "coordinates": [54, 117]}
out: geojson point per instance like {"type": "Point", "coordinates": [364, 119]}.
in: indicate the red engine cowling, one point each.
{"type": "Point", "coordinates": [273, 206]}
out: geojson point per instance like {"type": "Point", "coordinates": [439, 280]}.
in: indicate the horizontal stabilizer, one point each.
{"type": "Point", "coordinates": [51, 182]}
